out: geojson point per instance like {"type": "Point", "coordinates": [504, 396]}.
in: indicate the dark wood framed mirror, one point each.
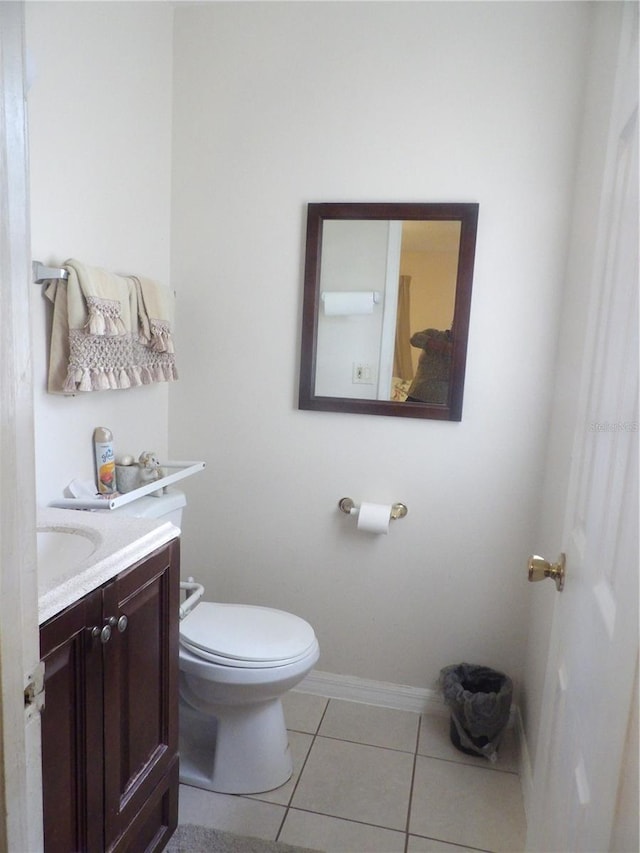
{"type": "Point", "coordinates": [387, 300]}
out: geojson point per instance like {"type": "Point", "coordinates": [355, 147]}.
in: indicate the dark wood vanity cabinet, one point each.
{"type": "Point", "coordinates": [110, 721]}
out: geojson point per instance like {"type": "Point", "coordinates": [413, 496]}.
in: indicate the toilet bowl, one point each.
{"type": "Point", "coordinates": [236, 663]}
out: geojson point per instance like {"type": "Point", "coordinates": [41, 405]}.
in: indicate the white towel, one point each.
{"type": "Point", "coordinates": [155, 314]}
{"type": "Point", "coordinates": [95, 342]}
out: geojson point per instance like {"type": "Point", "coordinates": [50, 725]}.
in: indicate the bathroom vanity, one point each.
{"type": "Point", "coordinates": [110, 721]}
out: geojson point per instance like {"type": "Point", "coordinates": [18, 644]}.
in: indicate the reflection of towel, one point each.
{"type": "Point", "coordinates": [95, 335]}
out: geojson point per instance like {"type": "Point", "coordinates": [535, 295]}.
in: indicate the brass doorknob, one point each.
{"type": "Point", "coordinates": [539, 569]}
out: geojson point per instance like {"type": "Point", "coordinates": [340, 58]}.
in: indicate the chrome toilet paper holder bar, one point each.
{"type": "Point", "coordinates": [349, 507]}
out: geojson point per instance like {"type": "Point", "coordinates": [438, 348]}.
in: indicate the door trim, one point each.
{"type": "Point", "coordinates": [20, 778]}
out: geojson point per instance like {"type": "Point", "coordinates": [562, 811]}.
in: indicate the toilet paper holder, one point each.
{"type": "Point", "coordinates": [348, 506]}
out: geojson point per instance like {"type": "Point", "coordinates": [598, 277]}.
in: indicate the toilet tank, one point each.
{"type": "Point", "coordinates": [167, 507]}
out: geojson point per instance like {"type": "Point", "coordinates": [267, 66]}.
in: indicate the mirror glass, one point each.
{"type": "Point", "coordinates": [386, 308]}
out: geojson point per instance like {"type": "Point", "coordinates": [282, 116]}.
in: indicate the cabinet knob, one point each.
{"type": "Point", "coordinates": [120, 624]}
{"type": "Point", "coordinates": [104, 633]}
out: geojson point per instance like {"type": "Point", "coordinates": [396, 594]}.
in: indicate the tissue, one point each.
{"type": "Point", "coordinates": [348, 302]}
{"type": "Point", "coordinates": [374, 518]}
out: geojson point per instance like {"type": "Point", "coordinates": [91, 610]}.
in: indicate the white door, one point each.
{"type": "Point", "coordinates": [589, 683]}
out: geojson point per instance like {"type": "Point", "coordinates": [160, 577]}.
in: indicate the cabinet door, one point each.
{"type": "Point", "coordinates": [72, 751]}
{"type": "Point", "coordinates": [141, 698]}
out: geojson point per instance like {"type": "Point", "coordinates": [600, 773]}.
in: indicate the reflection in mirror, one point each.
{"type": "Point", "coordinates": [386, 308]}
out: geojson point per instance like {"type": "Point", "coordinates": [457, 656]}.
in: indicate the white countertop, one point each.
{"type": "Point", "coordinates": [118, 542]}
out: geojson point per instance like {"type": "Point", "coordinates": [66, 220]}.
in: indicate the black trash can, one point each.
{"type": "Point", "coordinates": [479, 699]}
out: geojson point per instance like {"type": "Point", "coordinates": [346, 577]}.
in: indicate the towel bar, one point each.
{"type": "Point", "coordinates": [41, 273]}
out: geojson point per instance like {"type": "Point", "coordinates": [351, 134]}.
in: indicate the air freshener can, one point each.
{"type": "Point", "coordinates": [105, 460]}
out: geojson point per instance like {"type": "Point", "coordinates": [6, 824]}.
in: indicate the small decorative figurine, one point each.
{"type": "Point", "coordinates": [150, 469]}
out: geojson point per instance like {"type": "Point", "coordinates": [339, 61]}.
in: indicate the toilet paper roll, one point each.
{"type": "Point", "coordinates": [348, 302]}
{"type": "Point", "coordinates": [374, 517]}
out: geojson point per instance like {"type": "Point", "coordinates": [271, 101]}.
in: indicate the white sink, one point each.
{"type": "Point", "coordinates": [61, 550]}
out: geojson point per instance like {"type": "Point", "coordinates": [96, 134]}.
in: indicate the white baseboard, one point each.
{"type": "Point", "coordinates": [385, 694]}
{"type": "Point", "coordinates": [526, 773]}
{"type": "Point", "coordinates": [401, 697]}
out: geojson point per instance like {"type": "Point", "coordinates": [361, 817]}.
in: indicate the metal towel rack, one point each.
{"type": "Point", "coordinates": [42, 273]}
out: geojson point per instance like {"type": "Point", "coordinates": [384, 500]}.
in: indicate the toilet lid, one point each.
{"type": "Point", "coordinates": [245, 635]}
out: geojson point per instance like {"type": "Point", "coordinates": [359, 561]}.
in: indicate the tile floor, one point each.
{"type": "Point", "coordinates": [373, 780]}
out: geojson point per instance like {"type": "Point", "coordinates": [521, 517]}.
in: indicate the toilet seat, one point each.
{"type": "Point", "coordinates": [243, 635]}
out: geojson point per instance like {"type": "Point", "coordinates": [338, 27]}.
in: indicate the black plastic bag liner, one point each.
{"type": "Point", "coordinates": [479, 699]}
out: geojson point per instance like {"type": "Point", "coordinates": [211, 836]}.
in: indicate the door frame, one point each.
{"type": "Point", "coordinates": [389, 310]}
{"type": "Point", "coordinates": [20, 774]}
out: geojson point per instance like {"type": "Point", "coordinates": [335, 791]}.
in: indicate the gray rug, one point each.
{"type": "Point", "coordinates": [202, 839]}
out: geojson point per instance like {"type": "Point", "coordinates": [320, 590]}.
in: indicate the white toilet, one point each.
{"type": "Point", "coordinates": [236, 662]}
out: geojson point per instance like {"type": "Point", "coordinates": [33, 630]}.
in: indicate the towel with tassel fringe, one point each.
{"type": "Point", "coordinates": [98, 334]}
{"type": "Point", "coordinates": [155, 314]}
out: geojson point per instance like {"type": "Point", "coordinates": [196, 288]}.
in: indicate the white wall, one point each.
{"type": "Point", "coordinates": [100, 149]}
{"type": "Point", "coordinates": [279, 104]}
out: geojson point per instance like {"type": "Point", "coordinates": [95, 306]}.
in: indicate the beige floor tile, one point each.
{"type": "Point", "coordinates": [335, 835]}
{"type": "Point", "coordinates": [353, 791]}
{"type": "Point", "coordinates": [300, 745]}
{"type": "Point", "coordinates": [356, 782]}
{"type": "Point", "coordinates": [429, 845]}
{"type": "Point", "coordinates": [303, 711]}
{"type": "Point", "coordinates": [369, 724]}
{"type": "Point", "coordinates": [231, 813]}
{"type": "Point", "coordinates": [467, 805]}
{"type": "Point", "coordinates": [435, 742]}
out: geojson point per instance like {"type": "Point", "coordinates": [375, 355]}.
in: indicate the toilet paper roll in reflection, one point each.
{"type": "Point", "coordinates": [343, 303]}
{"type": "Point", "coordinates": [374, 518]}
